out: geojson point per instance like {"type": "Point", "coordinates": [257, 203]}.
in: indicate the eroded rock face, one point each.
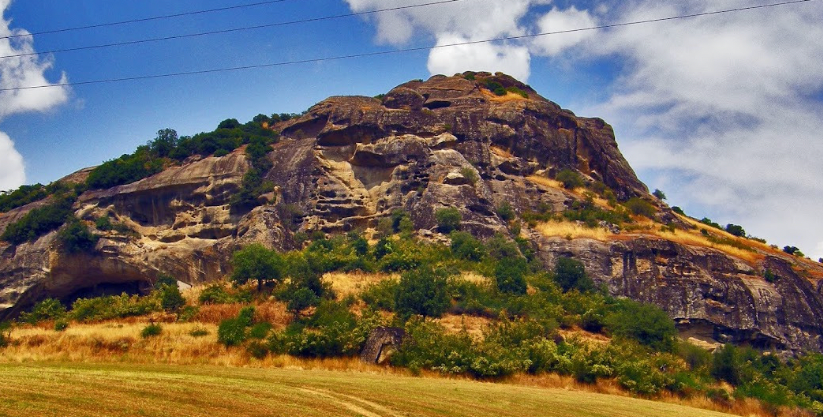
{"type": "Point", "coordinates": [711, 296]}
{"type": "Point", "coordinates": [445, 142]}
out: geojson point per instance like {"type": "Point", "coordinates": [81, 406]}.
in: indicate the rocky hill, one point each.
{"type": "Point", "coordinates": [474, 142]}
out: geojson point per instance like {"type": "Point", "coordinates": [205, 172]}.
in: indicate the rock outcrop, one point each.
{"type": "Point", "coordinates": [446, 142]}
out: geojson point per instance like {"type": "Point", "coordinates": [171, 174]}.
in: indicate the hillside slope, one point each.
{"type": "Point", "coordinates": [453, 142]}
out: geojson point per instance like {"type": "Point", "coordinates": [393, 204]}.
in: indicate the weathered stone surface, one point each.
{"type": "Point", "coordinates": [382, 342]}
{"type": "Point", "coordinates": [350, 161]}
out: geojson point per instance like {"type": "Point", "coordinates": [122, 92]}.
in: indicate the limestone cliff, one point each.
{"type": "Point", "coordinates": [425, 145]}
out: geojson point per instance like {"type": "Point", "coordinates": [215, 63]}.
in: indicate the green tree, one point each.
{"type": "Point", "coordinates": [736, 230]}
{"type": "Point", "coordinates": [448, 219]}
{"type": "Point", "coordinates": [466, 246]}
{"type": "Point", "coordinates": [659, 194]}
{"type": "Point", "coordinates": [164, 143]}
{"type": "Point", "coordinates": [255, 262]}
{"type": "Point", "coordinates": [423, 292]}
{"type": "Point", "coordinates": [571, 274]}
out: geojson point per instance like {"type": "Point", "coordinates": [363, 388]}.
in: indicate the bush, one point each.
{"type": "Point", "coordinates": [48, 309]}
{"type": "Point", "coordinates": [301, 299]}
{"type": "Point", "coordinates": [678, 210]}
{"type": "Point", "coordinates": [260, 331]}
{"type": "Point", "coordinates": [61, 325]}
{"type": "Point", "coordinates": [641, 207]}
{"type": "Point", "coordinates": [77, 238]}
{"type": "Point", "coordinates": [506, 212]}
{"type": "Point", "coordinates": [422, 292]}
{"type": "Point", "coordinates": [151, 330]}
{"type": "Point", "coordinates": [20, 197]}
{"type": "Point", "coordinates": [215, 294]}
{"type": "Point", "coordinates": [112, 307]}
{"type": "Point", "coordinates": [571, 274]}
{"type": "Point", "coordinates": [725, 364]}
{"type": "Point", "coordinates": [125, 170]}
{"type": "Point", "coordinates": [232, 332]}
{"type": "Point", "coordinates": [570, 179]}
{"type": "Point", "coordinates": [659, 194]}
{"type": "Point", "coordinates": [38, 222]}
{"type": "Point", "coordinates": [170, 297]}
{"type": "Point", "coordinates": [644, 323]}
{"type": "Point", "coordinates": [465, 246]}
{"type": "Point", "coordinates": [509, 275]}
{"type": "Point", "coordinates": [448, 219]}
{"type": "Point", "coordinates": [5, 333]}
{"type": "Point", "coordinates": [198, 332]}
{"type": "Point", "coordinates": [381, 295]}
{"type": "Point", "coordinates": [469, 174]}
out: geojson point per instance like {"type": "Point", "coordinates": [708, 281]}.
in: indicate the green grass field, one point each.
{"type": "Point", "coordinates": [165, 390]}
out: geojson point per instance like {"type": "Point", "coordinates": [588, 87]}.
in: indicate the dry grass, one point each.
{"type": "Point", "coordinates": [571, 230]}
{"type": "Point", "coordinates": [353, 283]}
{"type": "Point", "coordinates": [61, 389]}
{"type": "Point", "coordinates": [546, 182]}
{"type": "Point", "coordinates": [693, 237]}
{"type": "Point", "coordinates": [474, 326]}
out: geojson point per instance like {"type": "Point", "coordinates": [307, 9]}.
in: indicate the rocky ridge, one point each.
{"type": "Point", "coordinates": [425, 145]}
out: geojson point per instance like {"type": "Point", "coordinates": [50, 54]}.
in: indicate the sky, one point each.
{"type": "Point", "coordinates": [723, 112]}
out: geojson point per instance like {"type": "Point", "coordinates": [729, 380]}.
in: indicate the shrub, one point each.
{"type": "Point", "coordinates": [517, 91]}
{"type": "Point", "coordinates": [151, 330]}
{"type": "Point", "coordinates": [260, 330]}
{"type": "Point", "coordinates": [48, 309]}
{"type": "Point", "coordinates": [215, 294]}
{"type": "Point", "coordinates": [506, 212]}
{"type": "Point", "coordinates": [570, 179]}
{"type": "Point", "coordinates": [770, 276]}
{"type": "Point", "coordinates": [25, 194]}
{"type": "Point", "coordinates": [422, 292]}
{"type": "Point", "coordinates": [198, 332]}
{"type": "Point", "coordinates": [381, 295]}
{"type": "Point", "coordinates": [571, 274]}
{"type": "Point", "coordinates": [641, 207]}
{"type": "Point", "coordinates": [725, 364]}
{"type": "Point", "coordinates": [509, 275]}
{"type": "Point", "coordinates": [301, 299]}
{"type": "Point", "coordinates": [465, 246]}
{"type": "Point", "coordinates": [232, 332]}
{"type": "Point", "coordinates": [645, 323]}
{"type": "Point", "coordinates": [77, 238]}
{"type": "Point", "coordinates": [38, 222]}
{"type": "Point", "coordinates": [5, 333]}
{"type": "Point", "coordinates": [61, 325]}
{"type": "Point", "coordinates": [469, 174]}
{"type": "Point", "coordinates": [708, 222]}
{"type": "Point", "coordinates": [678, 210]}
{"type": "Point", "coordinates": [170, 297]}
{"type": "Point", "coordinates": [111, 307]}
{"type": "Point", "coordinates": [124, 170]}
{"type": "Point", "coordinates": [448, 219]}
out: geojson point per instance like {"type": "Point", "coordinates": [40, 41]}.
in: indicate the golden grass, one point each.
{"type": "Point", "coordinates": [473, 325]}
{"type": "Point", "coordinates": [60, 389]}
{"type": "Point", "coordinates": [501, 152]}
{"type": "Point", "coordinates": [693, 237]}
{"type": "Point", "coordinates": [353, 283]}
{"type": "Point", "coordinates": [570, 230]}
{"type": "Point", "coordinates": [546, 182]}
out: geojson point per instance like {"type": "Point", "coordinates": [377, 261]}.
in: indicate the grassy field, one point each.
{"type": "Point", "coordinates": [51, 389]}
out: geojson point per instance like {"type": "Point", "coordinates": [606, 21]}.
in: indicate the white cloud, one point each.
{"type": "Point", "coordinates": [11, 164]}
{"type": "Point", "coordinates": [16, 72]}
{"type": "Point", "coordinates": [722, 112]}
{"type": "Point", "coordinates": [562, 20]}
{"type": "Point", "coordinates": [512, 60]}
{"type": "Point", "coordinates": [459, 22]}
{"type": "Point", "coordinates": [721, 109]}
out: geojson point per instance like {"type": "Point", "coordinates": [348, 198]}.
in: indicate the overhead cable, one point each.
{"type": "Point", "coordinates": [240, 29]}
{"type": "Point", "coordinates": [406, 50]}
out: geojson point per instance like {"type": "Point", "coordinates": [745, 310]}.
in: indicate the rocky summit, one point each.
{"type": "Point", "coordinates": [475, 142]}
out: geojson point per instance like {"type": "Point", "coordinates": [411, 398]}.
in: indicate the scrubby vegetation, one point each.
{"type": "Point", "coordinates": [39, 221]}
{"type": "Point", "coordinates": [527, 310]}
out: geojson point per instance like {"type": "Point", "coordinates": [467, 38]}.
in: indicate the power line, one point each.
{"type": "Point", "coordinates": [240, 29]}
{"type": "Point", "coordinates": [145, 19]}
{"type": "Point", "coordinates": [406, 50]}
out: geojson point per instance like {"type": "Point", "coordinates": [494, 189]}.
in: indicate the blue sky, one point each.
{"type": "Point", "coordinates": [723, 113]}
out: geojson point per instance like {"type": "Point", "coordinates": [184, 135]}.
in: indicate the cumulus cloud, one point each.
{"type": "Point", "coordinates": [512, 60]}
{"type": "Point", "coordinates": [15, 72]}
{"type": "Point", "coordinates": [11, 164]}
{"type": "Point", "coordinates": [722, 110]}
{"type": "Point", "coordinates": [459, 22]}
{"type": "Point", "coordinates": [562, 20]}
